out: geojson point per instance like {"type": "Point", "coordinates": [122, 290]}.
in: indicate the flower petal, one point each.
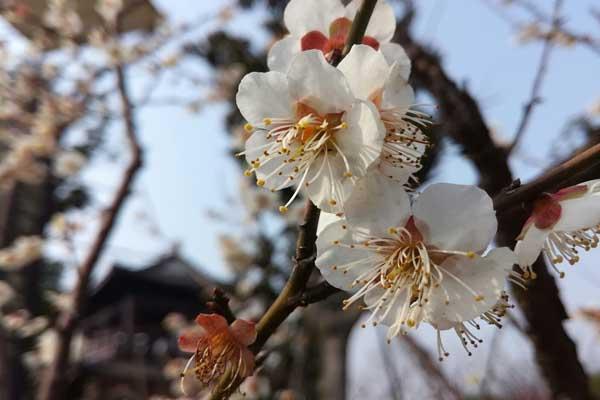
{"type": "Point", "coordinates": [282, 53]}
{"type": "Point", "coordinates": [328, 186]}
{"type": "Point", "coordinates": [464, 280]}
{"type": "Point", "coordinates": [528, 250]}
{"type": "Point", "coordinates": [302, 16]}
{"type": "Point", "coordinates": [382, 24]}
{"type": "Point", "coordinates": [244, 331]}
{"type": "Point", "coordinates": [274, 172]}
{"type": "Point", "coordinates": [326, 219]}
{"type": "Point", "coordinates": [455, 217]}
{"type": "Point", "coordinates": [317, 84]}
{"type": "Point", "coordinates": [190, 338]}
{"type": "Point", "coordinates": [376, 204]}
{"type": "Point", "coordinates": [395, 54]}
{"type": "Point", "coordinates": [366, 71]}
{"type": "Point", "coordinates": [339, 264]}
{"type": "Point", "coordinates": [264, 95]}
{"type": "Point", "coordinates": [362, 141]}
{"type": "Point", "coordinates": [581, 212]}
{"type": "Point", "coordinates": [397, 93]}
{"type": "Point", "coordinates": [212, 323]}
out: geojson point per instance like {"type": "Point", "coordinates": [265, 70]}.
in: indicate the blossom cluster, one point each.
{"type": "Point", "coordinates": [342, 128]}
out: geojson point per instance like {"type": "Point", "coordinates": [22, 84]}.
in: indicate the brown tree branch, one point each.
{"type": "Point", "coordinates": [54, 386]}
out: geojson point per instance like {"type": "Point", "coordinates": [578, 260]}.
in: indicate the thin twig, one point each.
{"type": "Point", "coordinates": [53, 388]}
{"type": "Point", "coordinates": [534, 97]}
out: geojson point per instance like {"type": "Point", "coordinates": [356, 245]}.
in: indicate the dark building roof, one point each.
{"type": "Point", "coordinates": [171, 284]}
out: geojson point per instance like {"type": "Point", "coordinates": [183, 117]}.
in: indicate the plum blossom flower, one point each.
{"type": "Point", "coordinates": [417, 263]}
{"type": "Point", "coordinates": [68, 163]}
{"type": "Point", "coordinates": [372, 77]}
{"type": "Point", "coordinates": [324, 25]}
{"type": "Point", "coordinates": [218, 349]}
{"type": "Point", "coordinates": [561, 225]}
{"type": "Point", "coordinates": [309, 131]}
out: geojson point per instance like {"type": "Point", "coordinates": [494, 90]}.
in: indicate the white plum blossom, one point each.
{"type": "Point", "coordinates": [324, 25]}
{"type": "Point", "coordinates": [309, 131]}
{"type": "Point", "coordinates": [419, 263]}
{"type": "Point", "coordinates": [372, 77]}
{"type": "Point", "coordinates": [561, 225]}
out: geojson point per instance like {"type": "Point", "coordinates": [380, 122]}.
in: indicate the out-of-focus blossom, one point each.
{"type": "Point", "coordinates": [236, 257]}
{"type": "Point", "coordinates": [7, 293]}
{"type": "Point", "coordinates": [174, 322]}
{"type": "Point", "coordinates": [219, 349]}
{"type": "Point", "coordinates": [61, 16]}
{"type": "Point", "coordinates": [324, 25]}
{"type": "Point", "coordinates": [309, 131]}
{"type": "Point", "coordinates": [419, 262]}
{"type": "Point", "coordinates": [561, 225]}
{"type": "Point", "coordinates": [23, 251]}
{"type": "Point", "coordinates": [109, 10]}
{"type": "Point", "coordinates": [68, 163]}
{"type": "Point", "coordinates": [373, 78]}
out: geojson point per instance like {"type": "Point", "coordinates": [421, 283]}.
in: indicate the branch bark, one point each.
{"type": "Point", "coordinates": [55, 383]}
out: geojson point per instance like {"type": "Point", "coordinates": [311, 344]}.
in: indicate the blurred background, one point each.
{"type": "Point", "coordinates": [123, 206]}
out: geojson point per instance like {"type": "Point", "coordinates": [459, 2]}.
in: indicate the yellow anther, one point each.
{"type": "Point", "coordinates": [470, 254]}
{"type": "Point", "coordinates": [267, 121]}
{"type": "Point", "coordinates": [343, 125]}
{"type": "Point", "coordinates": [283, 209]}
{"type": "Point", "coordinates": [478, 297]}
{"type": "Point", "coordinates": [411, 323]}
{"type": "Point", "coordinates": [248, 127]}
{"type": "Point", "coordinates": [332, 202]}
{"type": "Point", "coordinates": [248, 172]}
{"type": "Point", "coordinates": [392, 231]}
{"type": "Point", "coordinates": [348, 174]}
{"type": "Point", "coordinates": [260, 182]}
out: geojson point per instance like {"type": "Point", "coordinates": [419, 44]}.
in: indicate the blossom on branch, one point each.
{"type": "Point", "coordinates": [219, 349]}
{"type": "Point", "coordinates": [561, 225]}
{"type": "Point", "coordinates": [420, 262]}
{"type": "Point", "coordinates": [309, 131]}
{"type": "Point", "coordinates": [372, 77]}
{"type": "Point", "coordinates": [324, 25]}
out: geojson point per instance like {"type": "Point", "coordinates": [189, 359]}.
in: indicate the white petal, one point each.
{"type": "Point", "coordinates": [582, 212]}
{"type": "Point", "coordinates": [377, 204]}
{"type": "Point", "coordinates": [330, 189]}
{"type": "Point", "coordinates": [395, 54]}
{"type": "Point", "coordinates": [455, 217]}
{"type": "Point", "coordinates": [264, 95]}
{"type": "Point", "coordinates": [365, 69]}
{"type": "Point", "coordinates": [529, 249]}
{"type": "Point", "coordinates": [330, 255]}
{"type": "Point", "coordinates": [326, 219]}
{"type": "Point", "coordinates": [362, 141]}
{"type": "Point", "coordinates": [303, 16]}
{"type": "Point", "coordinates": [395, 175]}
{"type": "Point", "coordinates": [316, 83]}
{"type": "Point", "coordinates": [282, 53]}
{"type": "Point", "coordinates": [397, 92]}
{"type": "Point", "coordinates": [382, 24]}
{"type": "Point", "coordinates": [485, 276]}
{"type": "Point", "coordinates": [254, 149]}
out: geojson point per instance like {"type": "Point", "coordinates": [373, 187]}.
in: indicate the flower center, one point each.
{"type": "Point", "coordinates": [295, 146]}
{"type": "Point", "coordinates": [338, 33]}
